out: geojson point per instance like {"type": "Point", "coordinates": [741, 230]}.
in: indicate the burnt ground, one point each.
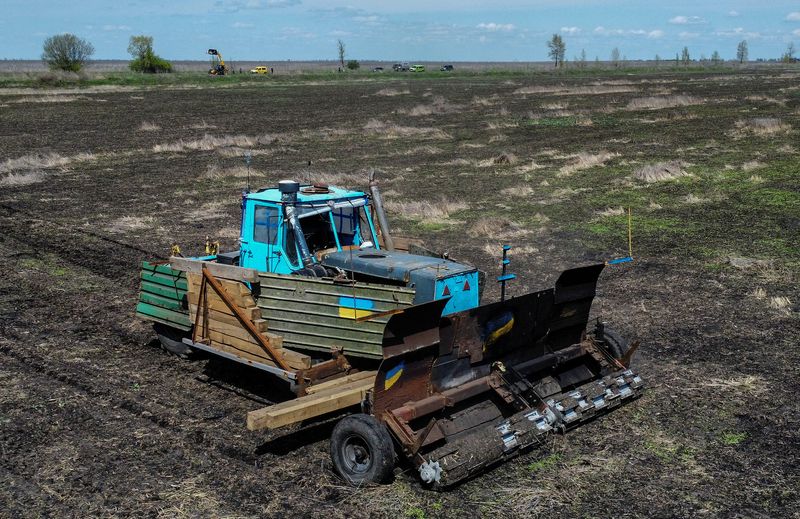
{"type": "Point", "coordinates": [95, 420]}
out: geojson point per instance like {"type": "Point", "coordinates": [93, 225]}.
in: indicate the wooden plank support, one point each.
{"type": "Point", "coordinates": [245, 320]}
{"type": "Point", "coordinates": [324, 386]}
{"type": "Point", "coordinates": [309, 406]}
{"type": "Point", "coordinates": [216, 269]}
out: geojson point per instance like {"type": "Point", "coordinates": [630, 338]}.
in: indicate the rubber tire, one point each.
{"type": "Point", "coordinates": [170, 339]}
{"type": "Point", "coordinates": [368, 431]}
{"type": "Point", "coordinates": [616, 344]}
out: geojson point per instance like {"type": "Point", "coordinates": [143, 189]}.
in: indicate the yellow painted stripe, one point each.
{"type": "Point", "coordinates": [499, 333]}
{"type": "Point", "coordinates": [390, 381]}
{"type": "Point", "coordinates": [352, 313]}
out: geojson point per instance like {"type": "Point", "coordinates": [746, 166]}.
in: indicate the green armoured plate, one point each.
{"type": "Point", "coordinates": [320, 314]}
{"type": "Point", "coordinates": [162, 296]}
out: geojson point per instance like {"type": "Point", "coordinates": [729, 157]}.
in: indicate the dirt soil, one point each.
{"type": "Point", "coordinates": [95, 420]}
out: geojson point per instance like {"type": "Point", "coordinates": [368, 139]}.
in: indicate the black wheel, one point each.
{"type": "Point", "coordinates": [615, 343]}
{"type": "Point", "coordinates": [171, 340]}
{"type": "Point", "coordinates": [362, 450]}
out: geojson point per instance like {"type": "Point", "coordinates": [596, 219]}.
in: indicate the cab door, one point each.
{"type": "Point", "coordinates": [260, 231]}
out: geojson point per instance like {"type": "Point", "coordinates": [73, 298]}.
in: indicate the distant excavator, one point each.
{"type": "Point", "coordinates": [218, 66]}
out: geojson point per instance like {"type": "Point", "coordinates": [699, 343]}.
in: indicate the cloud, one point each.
{"type": "Point", "coordinates": [571, 30]}
{"type": "Point", "coordinates": [495, 27]}
{"type": "Point", "coordinates": [604, 31]}
{"type": "Point", "coordinates": [242, 25]}
{"type": "Point", "coordinates": [793, 17]}
{"type": "Point", "coordinates": [733, 14]}
{"type": "Point", "coordinates": [371, 19]}
{"type": "Point", "coordinates": [686, 35]}
{"type": "Point", "coordinates": [686, 20]}
{"type": "Point", "coordinates": [738, 32]}
{"type": "Point", "coordinates": [796, 32]}
{"type": "Point", "coordinates": [116, 28]}
{"type": "Point", "coordinates": [233, 6]}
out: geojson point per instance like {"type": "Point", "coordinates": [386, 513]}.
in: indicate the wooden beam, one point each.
{"type": "Point", "coordinates": [221, 307]}
{"type": "Point", "coordinates": [305, 407]}
{"type": "Point", "coordinates": [248, 303]}
{"type": "Point", "coordinates": [216, 269]}
{"type": "Point", "coordinates": [337, 382]}
{"type": "Point", "coordinates": [245, 320]}
{"type": "Point", "coordinates": [228, 318]}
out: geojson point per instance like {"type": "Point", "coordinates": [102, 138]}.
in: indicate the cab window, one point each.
{"type": "Point", "coordinates": [346, 222]}
{"type": "Point", "coordinates": [265, 224]}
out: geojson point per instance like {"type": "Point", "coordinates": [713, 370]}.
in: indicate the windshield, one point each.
{"type": "Point", "coordinates": [342, 224]}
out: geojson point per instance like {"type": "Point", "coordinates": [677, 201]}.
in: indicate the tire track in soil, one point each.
{"type": "Point", "coordinates": [157, 418]}
{"type": "Point", "coordinates": [122, 347]}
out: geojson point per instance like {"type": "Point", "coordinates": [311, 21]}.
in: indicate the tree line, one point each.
{"type": "Point", "coordinates": [70, 53]}
{"type": "Point", "coordinates": [556, 51]}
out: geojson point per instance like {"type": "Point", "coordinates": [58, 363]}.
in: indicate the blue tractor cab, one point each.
{"type": "Point", "coordinates": [325, 231]}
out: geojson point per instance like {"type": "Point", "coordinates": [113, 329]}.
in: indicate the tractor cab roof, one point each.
{"type": "Point", "coordinates": [308, 194]}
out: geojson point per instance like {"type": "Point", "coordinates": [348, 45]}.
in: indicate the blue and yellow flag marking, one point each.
{"type": "Point", "coordinates": [393, 375]}
{"type": "Point", "coordinates": [355, 307]}
{"type": "Point", "coordinates": [497, 328]}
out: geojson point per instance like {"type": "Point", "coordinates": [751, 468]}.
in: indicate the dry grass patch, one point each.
{"type": "Point", "coordinates": [576, 90]}
{"type": "Point", "coordinates": [611, 211]}
{"type": "Point", "coordinates": [216, 171]}
{"type": "Point", "coordinates": [208, 211]}
{"type": "Point", "coordinates": [425, 211]}
{"type": "Point", "coordinates": [391, 92]}
{"type": "Point", "coordinates": [395, 131]}
{"type": "Point", "coordinates": [661, 102]}
{"type": "Point", "coordinates": [756, 179]}
{"type": "Point", "coordinates": [501, 159]}
{"type": "Point", "coordinates": [761, 127]}
{"type": "Point", "coordinates": [660, 171]}
{"type": "Point", "coordinates": [496, 227]}
{"type": "Point", "coordinates": [459, 162]}
{"type": "Point", "coordinates": [486, 101]}
{"type": "Point", "coordinates": [498, 125]}
{"type": "Point", "coordinates": [693, 199]}
{"type": "Point", "coordinates": [131, 223]}
{"type": "Point", "coordinates": [211, 142]}
{"type": "Point", "coordinates": [751, 165]}
{"type": "Point", "coordinates": [202, 125]}
{"type": "Point", "coordinates": [523, 191]}
{"type": "Point", "coordinates": [583, 161]}
{"type": "Point", "coordinates": [438, 105]}
{"type": "Point", "coordinates": [50, 99]}
{"type": "Point", "coordinates": [334, 178]}
{"type": "Point", "coordinates": [38, 161]}
{"type": "Point", "coordinates": [22, 179]}
{"type": "Point", "coordinates": [427, 149]}
{"type": "Point", "coordinates": [781, 303]}
{"type": "Point", "coordinates": [148, 127]}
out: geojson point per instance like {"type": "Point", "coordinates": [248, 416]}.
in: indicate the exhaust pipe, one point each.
{"type": "Point", "coordinates": [379, 212]}
{"type": "Point", "coordinates": [289, 189]}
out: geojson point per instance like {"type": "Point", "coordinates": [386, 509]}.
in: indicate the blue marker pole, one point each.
{"type": "Point", "coordinates": [504, 276]}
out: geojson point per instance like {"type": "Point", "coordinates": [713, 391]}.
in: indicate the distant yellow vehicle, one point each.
{"type": "Point", "coordinates": [259, 70]}
{"type": "Point", "coordinates": [417, 68]}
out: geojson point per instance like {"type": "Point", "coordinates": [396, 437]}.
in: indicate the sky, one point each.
{"type": "Point", "coordinates": [409, 30]}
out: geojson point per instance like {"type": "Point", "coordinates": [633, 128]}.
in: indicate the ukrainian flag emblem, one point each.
{"type": "Point", "coordinates": [393, 375]}
{"type": "Point", "coordinates": [355, 307]}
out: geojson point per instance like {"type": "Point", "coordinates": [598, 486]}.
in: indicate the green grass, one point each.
{"type": "Point", "coordinates": [733, 438]}
{"type": "Point", "coordinates": [545, 463]}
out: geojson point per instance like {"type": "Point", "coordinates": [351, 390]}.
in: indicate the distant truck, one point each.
{"type": "Point", "coordinates": [401, 67]}
{"type": "Point", "coordinates": [259, 70]}
{"type": "Point", "coordinates": [446, 68]}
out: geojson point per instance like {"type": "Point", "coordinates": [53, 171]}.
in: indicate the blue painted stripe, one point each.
{"type": "Point", "coordinates": [619, 260]}
{"type": "Point", "coordinates": [392, 372]}
{"type": "Point", "coordinates": [356, 303]}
